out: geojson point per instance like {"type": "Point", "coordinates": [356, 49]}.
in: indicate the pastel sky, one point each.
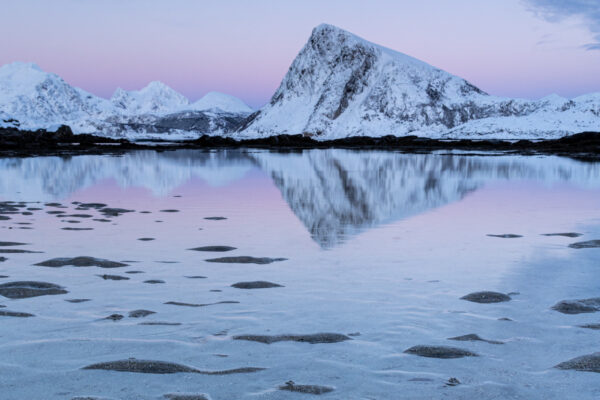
{"type": "Point", "coordinates": [517, 48]}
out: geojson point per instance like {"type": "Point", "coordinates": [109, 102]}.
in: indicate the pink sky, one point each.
{"type": "Point", "coordinates": [245, 48]}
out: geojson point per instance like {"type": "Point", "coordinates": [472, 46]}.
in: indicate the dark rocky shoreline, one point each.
{"type": "Point", "coordinates": [16, 143]}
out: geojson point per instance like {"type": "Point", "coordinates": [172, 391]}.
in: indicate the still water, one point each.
{"type": "Point", "coordinates": [377, 246]}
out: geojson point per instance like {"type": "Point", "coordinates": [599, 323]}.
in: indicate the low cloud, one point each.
{"type": "Point", "coordinates": [555, 10]}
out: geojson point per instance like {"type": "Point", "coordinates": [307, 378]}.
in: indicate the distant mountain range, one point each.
{"type": "Point", "coordinates": [31, 98]}
{"type": "Point", "coordinates": [339, 85]}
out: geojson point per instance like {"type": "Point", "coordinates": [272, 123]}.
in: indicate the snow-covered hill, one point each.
{"type": "Point", "coordinates": [156, 98]}
{"type": "Point", "coordinates": [340, 85]}
{"type": "Point", "coordinates": [38, 99]}
{"type": "Point", "coordinates": [215, 101]}
{"type": "Point", "coordinates": [31, 99]}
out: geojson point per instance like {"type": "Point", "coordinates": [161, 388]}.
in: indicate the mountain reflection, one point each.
{"type": "Point", "coordinates": [335, 193]}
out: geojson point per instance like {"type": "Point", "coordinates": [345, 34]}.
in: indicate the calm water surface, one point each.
{"type": "Point", "coordinates": [380, 246]}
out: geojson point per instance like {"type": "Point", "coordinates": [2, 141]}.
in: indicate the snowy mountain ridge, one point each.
{"type": "Point", "coordinates": [156, 98]}
{"type": "Point", "coordinates": [341, 85]}
{"type": "Point", "coordinates": [42, 100]}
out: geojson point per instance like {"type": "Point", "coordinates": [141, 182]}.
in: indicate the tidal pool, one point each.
{"type": "Point", "coordinates": [252, 274]}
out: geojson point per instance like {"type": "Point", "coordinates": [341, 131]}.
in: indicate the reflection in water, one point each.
{"type": "Point", "coordinates": [335, 193]}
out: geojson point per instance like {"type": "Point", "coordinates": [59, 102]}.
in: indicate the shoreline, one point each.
{"type": "Point", "coordinates": [16, 143]}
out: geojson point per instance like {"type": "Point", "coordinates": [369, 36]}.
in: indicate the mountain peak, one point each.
{"type": "Point", "coordinates": [157, 85]}
{"type": "Point", "coordinates": [340, 83]}
{"type": "Point", "coordinates": [23, 74]}
{"type": "Point", "coordinates": [221, 102]}
{"type": "Point", "coordinates": [156, 97]}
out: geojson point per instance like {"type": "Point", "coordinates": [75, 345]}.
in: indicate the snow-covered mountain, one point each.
{"type": "Point", "coordinates": [38, 99]}
{"type": "Point", "coordinates": [31, 99]}
{"type": "Point", "coordinates": [215, 101]}
{"type": "Point", "coordinates": [340, 85]}
{"type": "Point", "coordinates": [156, 98]}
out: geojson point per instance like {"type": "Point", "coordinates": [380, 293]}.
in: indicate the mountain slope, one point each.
{"type": "Point", "coordinates": [222, 103]}
{"type": "Point", "coordinates": [340, 85]}
{"type": "Point", "coordinates": [39, 99]}
{"type": "Point", "coordinates": [156, 98]}
{"type": "Point", "coordinates": [32, 99]}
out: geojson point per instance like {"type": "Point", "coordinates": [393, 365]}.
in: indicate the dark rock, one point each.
{"type": "Point", "coordinates": [140, 313]}
{"type": "Point", "coordinates": [185, 396]}
{"type": "Point", "coordinates": [169, 211]}
{"type": "Point", "coordinates": [68, 228]}
{"type": "Point", "coordinates": [78, 216]}
{"type": "Point", "coordinates": [440, 352]}
{"type": "Point", "coordinates": [82, 261]}
{"type": "Point", "coordinates": [215, 218]}
{"type": "Point", "coordinates": [311, 338]}
{"type": "Point", "coordinates": [291, 386]}
{"type": "Point", "coordinates": [92, 205]}
{"type": "Point", "coordinates": [474, 338]}
{"type": "Point", "coordinates": [26, 289]}
{"type": "Point", "coordinates": [578, 306]}
{"type": "Point", "coordinates": [161, 367]}
{"type": "Point", "coordinates": [114, 212]}
{"type": "Point", "coordinates": [6, 313]}
{"type": "Point", "coordinates": [177, 303]}
{"type": "Point", "coordinates": [141, 366]}
{"type": "Point", "coordinates": [2, 259]}
{"type": "Point", "coordinates": [115, 317]}
{"type": "Point", "coordinates": [146, 239]}
{"type": "Point", "coordinates": [245, 260]}
{"type": "Point", "coordinates": [160, 323]}
{"type": "Point", "coordinates": [566, 234]}
{"type": "Point", "coordinates": [101, 220]}
{"type": "Point", "coordinates": [196, 277]}
{"type": "Point", "coordinates": [452, 382]}
{"type": "Point", "coordinates": [8, 244]}
{"type": "Point", "coordinates": [243, 370]}
{"type": "Point", "coordinates": [134, 272]}
{"type": "Point", "coordinates": [486, 297]}
{"type": "Point", "coordinates": [587, 363]}
{"type": "Point", "coordinates": [255, 285]}
{"type": "Point", "coordinates": [77, 300]}
{"type": "Point", "coordinates": [506, 236]}
{"type": "Point", "coordinates": [154, 281]}
{"type": "Point", "coordinates": [56, 212]}
{"type": "Point", "coordinates": [113, 277]}
{"type": "Point", "coordinates": [18, 251]}
{"type": "Point", "coordinates": [214, 248]}
{"type": "Point", "coordinates": [591, 326]}
{"type": "Point", "coordinates": [590, 244]}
